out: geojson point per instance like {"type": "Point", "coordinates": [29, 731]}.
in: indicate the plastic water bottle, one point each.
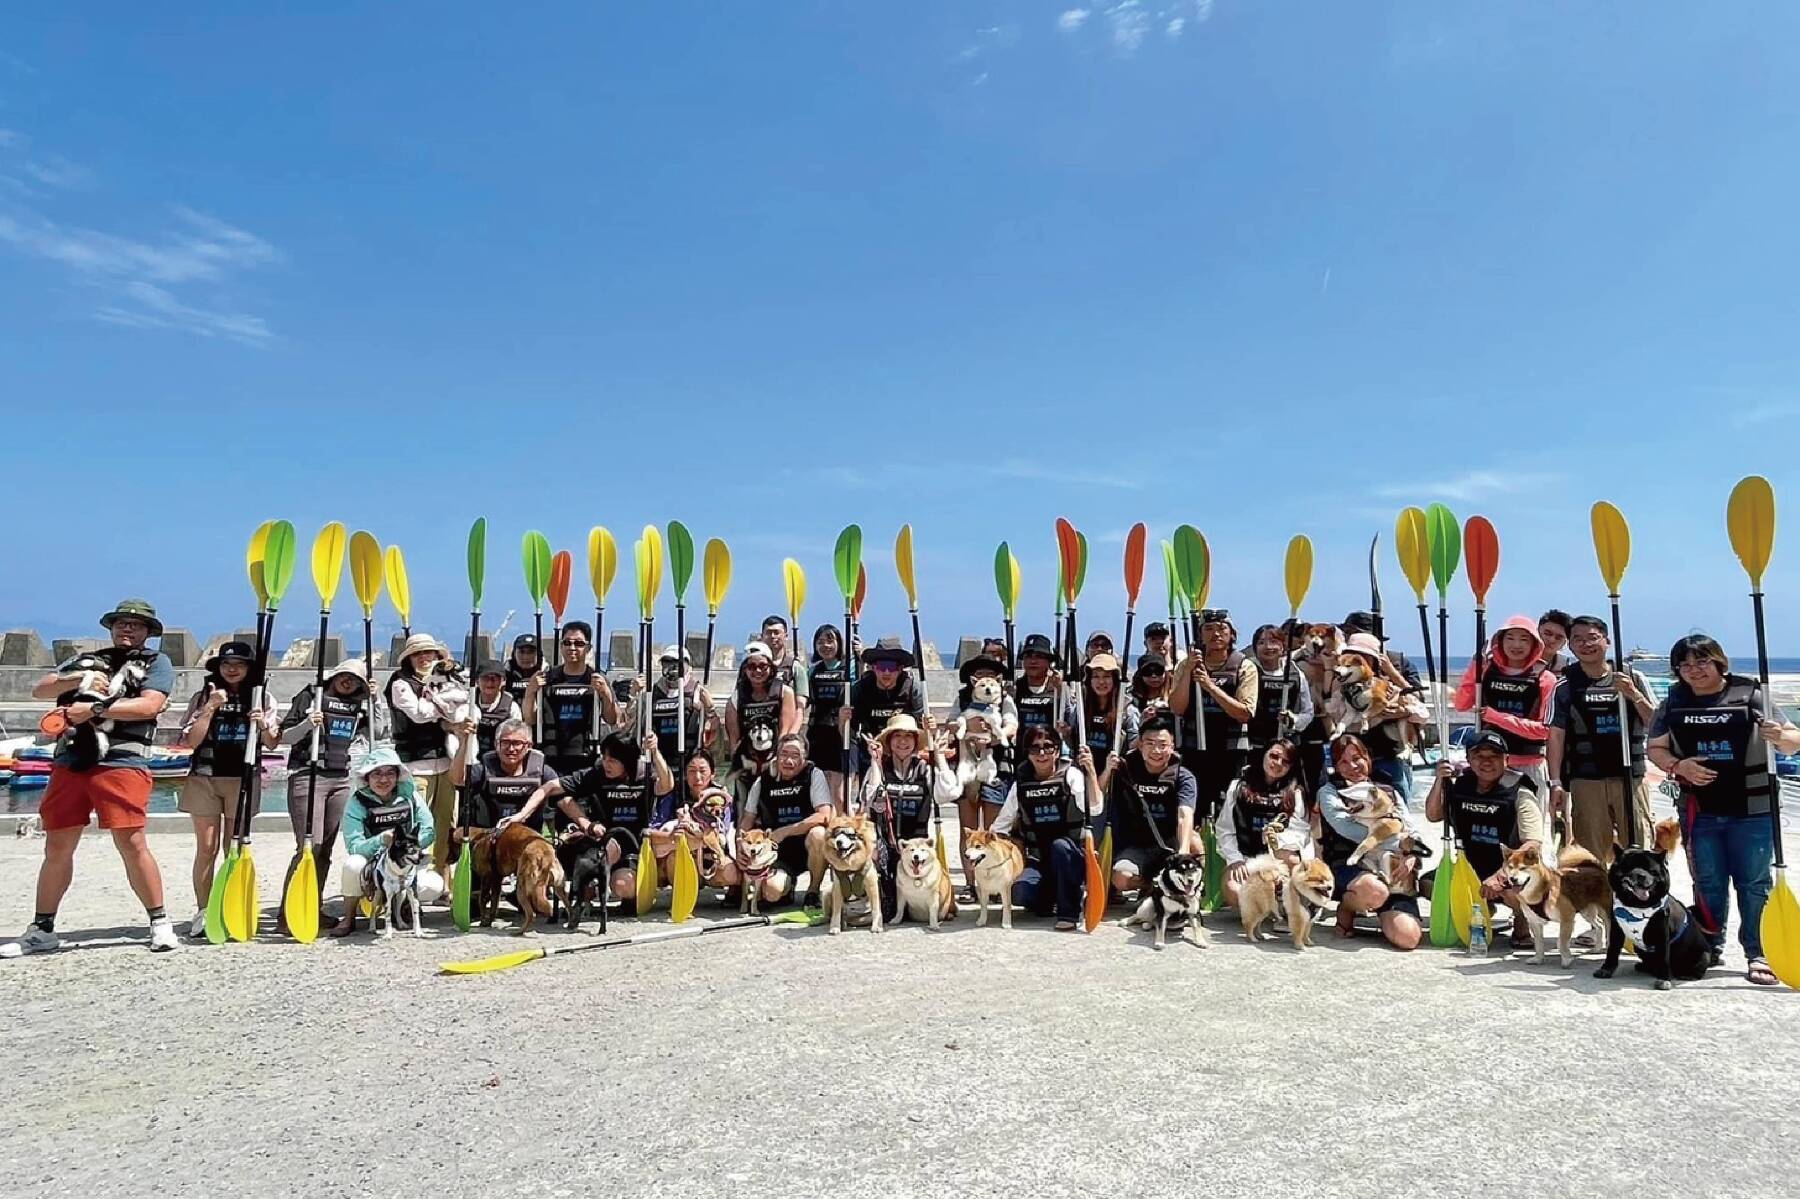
{"type": "Point", "coordinates": [1478, 933]}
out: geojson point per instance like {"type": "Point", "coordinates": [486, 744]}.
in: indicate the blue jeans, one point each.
{"type": "Point", "coordinates": [1726, 852]}
{"type": "Point", "coordinates": [1396, 773]}
{"type": "Point", "coordinates": [1056, 886]}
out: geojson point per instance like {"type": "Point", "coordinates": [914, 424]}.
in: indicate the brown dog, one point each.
{"type": "Point", "coordinates": [1576, 885]}
{"type": "Point", "coordinates": [1362, 695]}
{"type": "Point", "coordinates": [850, 856]}
{"type": "Point", "coordinates": [524, 854]}
{"type": "Point", "coordinates": [922, 885]}
{"type": "Point", "coordinates": [995, 864]}
{"type": "Point", "coordinates": [1375, 808]}
{"type": "Point", "coordinates": [756, 856]}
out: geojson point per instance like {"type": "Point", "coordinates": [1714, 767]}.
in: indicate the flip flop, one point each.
{"type": "Point", "coordinates": [1760, 974]}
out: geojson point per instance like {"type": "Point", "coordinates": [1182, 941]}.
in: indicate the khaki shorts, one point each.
{"type": "Point", "coordinates": [212, 796]}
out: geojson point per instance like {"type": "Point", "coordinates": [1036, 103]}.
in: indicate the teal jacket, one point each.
{"type": "Point", "coordinates": [356, 813]}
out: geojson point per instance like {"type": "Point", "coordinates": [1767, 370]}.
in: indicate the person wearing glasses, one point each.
{"type": "Point", "coordinates": [562, 704]}
{"type": "Point", "coordinates": [884, 690]}
{"type": "Point", "coordinates": [760, 712]}
{"type": "Point", "coordinates": [1047, 806]}
{"type": "Point", "coordinates": [1602, 796]}
{"type": "Point", "coordinates": [1712, 736]}
{"type": "Point", "coordinates": [1227, 682]}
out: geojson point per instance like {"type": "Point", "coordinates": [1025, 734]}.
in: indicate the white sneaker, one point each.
{"type": "Point", "coordinates": [34, 940]}
{"type": "Point", "coordinates": [197, 926]}
{"type": "Point", "coordinates": [162, 935]}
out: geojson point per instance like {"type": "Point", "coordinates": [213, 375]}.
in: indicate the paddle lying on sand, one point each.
{"type": "Point", "coordinates": [399, 590]}
{"type": "Point", "coordinates": [242, 902]}
{"type": "Point", "coordinates": [1071, 553]}
{"type": "Point", "coordinates": [1750, 519]}
{"type": "Point", "coordinates": [507, 961]}
{"type": "Point", "coordinates": [462, 883]}
{"type": "Point", "coordinates": [715, 581]}
{"type": "Point", "coordinates": [1444, 539]}
{"type": "Point", "coordinates": [365, 580]}
{"type": "Point", "coordinates": [534, 557]}
{"type": "Point", "coordinates": [909, 583]}
{"type": "Point", "coordinates": [300, 903]}
{"type": "Point", "coordinates": [603, 566]}
{"type": "Point", "coordinates": [1612, 549]}
{"type": "Point", "coordinates": [686, 890]}
{"type": "Point", "coordinates": [215, 898]}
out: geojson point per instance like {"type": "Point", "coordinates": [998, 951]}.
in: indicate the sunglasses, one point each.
{"type": "Point", "coordinates": [887, 667]}
{"type": "Point", "coordinates": [1040, 751]}
{"type": "Point", "coordinates": [575, 643]}
{"type": "Point", "coordinates": [513, 743]}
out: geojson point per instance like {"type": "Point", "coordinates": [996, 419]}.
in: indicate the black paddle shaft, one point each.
{"type": "Point", "coordinates": [1631, 823]}
{"type": "Point", "coordinates": [312, 772]}
{"type": "Point", "coordinates": [1762, 673]}
{"type": "Point", "coordinates": [249, 782]}
{"type": "Point", "coordinates": [680, 709]}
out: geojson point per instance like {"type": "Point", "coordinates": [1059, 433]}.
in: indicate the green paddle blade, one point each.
{"type": "Point", "coordinates": [846, 561]}
{"type": "Point", "coordinates": [1443, 925]}
{"type": "Point", "coordinates": [477, 561]}
{"type": "Point", "coordinates": [278, 561]}
{"type": "Point", "coordinates": [215, 899]}
{"type": "Point", "coordinates": [462, 889]}
{"type": "Point", "coordinates": [535, 552]}
{"type": "Point", "coordinates": [1192, 563]}
{"type": "Point", "coordinates": [1445, 536]}
{"type": "Point", "coordinates": [681, 558]}
{"type": "Point", "coordinates": [1061, 590]}
{"type": "Point", "coordinates": [1212, 895]}
{"type": "Point", "coordinates": [1081, 564]}
{"type": "Point", "coordinates": [1171, 576]}
{"type": "Point", "coordinates": [1003, 580]}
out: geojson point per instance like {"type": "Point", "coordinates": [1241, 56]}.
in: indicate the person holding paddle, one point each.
{"type": "Point", "coordinates": [523, 664]}
{"type": "Point", "coordinates": [759, 713]}
{"type": "Point", "coordinates": [885, 689]}
{"type": "Point", "coordinates": [1228, 682]}
{"type": "Point", "coordinates": [1584, 755]}
{"type": "Point", "coordinates": [790, 669]}
{"type": "Point", "coordinates": [494, 706]}
{"type": "Point", "coordinates": [116, 784]}
{"type": "Point", "coordinates": [1045, 806]}
{"type": "Point", "coordinates": [1493, 813]}
{"type": "Point", "coordinates": [341, 717]}
{"type": "Point", "coordinates": [1100, 700]}
{"type": "Point", "coordinates": [1038, 690]}
{"type": "Point", "coordinates": [1712, 736]}
{"type": "Point", "coordinates": [826, 681]}
{"type": "Point", "coordinates": [1388, 738]}
{"type": "Point", "coordinates": [676, 697]}
{"type": "Point", "coordinates": [1510, 690]}
{"type": "Point", "coordinates": [216, 729]}
{"type": "Point", "coordinates": [568, 694]}
{"type": "Point", "coordinates": [421, 722]}
{"type": "Point", "coordinates": [1284, 707]}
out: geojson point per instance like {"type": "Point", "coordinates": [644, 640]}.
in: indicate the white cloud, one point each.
{"type": "Point", "coordinates": [1472, 485]}
{"type": "Point", "coordinates": [1129, 24]}
{"type": "Point", "coordinates": [1020, 468]}
{"type": "Point", "coordinates": [1073, 19]}
{"type": "Point", "coordinates": [147, 306]}
{"type": "Point", "coordinates": [1175, 26]}
{"type": "Point", "coordinates": [58, 171]}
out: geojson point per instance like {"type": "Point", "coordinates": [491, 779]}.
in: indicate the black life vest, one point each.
{"type": "Point", "coordinates": [1265, 721]}
{"type": "Point", "coordinates": [413, 741]}
{"type": "Point", "coordinates": [501, 794]}
{"type": "Point", "coordinates": [873, 707]}
{"type": "Point", "coordinates": [224, 748]}
{"type": "Point", "coordinates": [1723, 735]}
{"type": "Point", "coordinates": [1224, 733]}
{"type": "Point", "coordinates": [785, 801]}
{"type": "Point", "coordinates": [344, 720]}
{"type": "Point", "coordinates": [1146, 806]}
{"type": "Point", "coordinates": [379, 816]}
{"type": "Point", "coordinates": [1516, 695]}
{"type": "Point", "coordinates": [1047, 811]}
{"type": "Point", "coordinates": [124, 735]}
{"type": "Point", "coordinates": [1037, 709]}
{"type": "Point", "coordinates": [908, 797]}
{"type": "Point", "coordinates": [825, 686]}
{"type": "Point", "coordinates": [1100, 733]}
{"type": "Point", "coordinates": [569, 701]}
{"type": "Point", "coordinates": [489, 720]}
{"type": "Point", "coordinates": [752, 712]}
{"type": "Point", "coordinates": [1487, 823]}
{"type": "Point", "coordinates": [668, 712]}
{"type": "Point", "coordinates": [1593, 744]}
{"type": "Point", "coordinates": [1252, 811]}
{"type": "Point", "coordinates": [518, 680]}
{"type": "Point", "coordinates": [618, 803]}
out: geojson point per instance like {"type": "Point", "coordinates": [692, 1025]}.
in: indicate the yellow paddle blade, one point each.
{"type": "Point", "coordinates": [399, 590]}
{"type": "Point", "coordinates": [903, 563]}
{"type": "Point", "coordinates": [1465, 893]}
{"type": "Point", "coordinates": [717, 574]}
{"type": "Point", "coordinates": [500, 961]}
{"type": "Point", "coordinates": [1750, 517]}
{"type": "Point", "coordinates": [365, 570]}
{"type": "Point", "coordinates": [603, 562]}
{"type": "Point", "coordinates": [241, 900]}
{"type": "Point", "coordinates": [647, 882]}
{"type": "Point", "coordinates": [1413, 546]}
{"type": "Point", "coordinates": [1298, 569]}
{"type": "Point", "coordinates": [253, 562]}
{"type": "Point", "coordinates": [653, 543]}
{"type": "Point", "coordinates": [328, 562]}
{"type": "Point", "coordinates": [1781, 931]}
{"type": "Point", "coordinates": [1612, 544]}
{"type": "Point", "coordinates": [640, 556]}
{"type": "Point", "coordinates": [300, 906]}
{"type": "Point", "coordinates": [687, 882]}
{"type": "Point", "coordinates": [1016, 582]}
{"type": "Point", "coordinates": [793, 581]}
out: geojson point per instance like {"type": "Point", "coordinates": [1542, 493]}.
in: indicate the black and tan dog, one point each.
{"type": "Point", "coordinates": [850, 856]}
{"type": "Point", "coordinates": [1670, 942]}
{"type": "Point", "coordinates": [1174, 901]}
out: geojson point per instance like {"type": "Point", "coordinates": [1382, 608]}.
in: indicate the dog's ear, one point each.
{"type": "Point", "coordinates": [1668, 837]}
{"type": "Point", "coordinates": [1618, 851]}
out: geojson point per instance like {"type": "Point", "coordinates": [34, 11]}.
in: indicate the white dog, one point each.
{"type": "Point", "coordinates": [978, 730]}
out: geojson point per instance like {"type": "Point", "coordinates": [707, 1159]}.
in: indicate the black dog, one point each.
{"type": "Point", "coordinates": [1173, 902]}
{"type": "Point", "coordinates": [589, 874]}
{"type": "Point", "coordinates": [1670, 942]}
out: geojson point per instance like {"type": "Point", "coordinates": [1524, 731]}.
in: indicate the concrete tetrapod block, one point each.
{"type": "Point", "coordinates": [967, 648]}
{"type": "Point", "coordinates": [64, 648]}
{"type": "Point", "coordinates": [624, 651]}
{"type": "Point", "coordinates": [23, 647]}
{"type": "Point", "coordinates": [181, 646]}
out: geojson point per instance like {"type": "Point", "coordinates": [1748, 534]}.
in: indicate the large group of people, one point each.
{"type": "Point", "coordinates": [1258, 747]}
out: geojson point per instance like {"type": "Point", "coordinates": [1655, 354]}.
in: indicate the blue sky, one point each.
{"type": "Point", "coordinates": [768, 268]}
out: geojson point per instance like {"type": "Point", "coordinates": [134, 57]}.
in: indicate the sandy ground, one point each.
{"type": "Point", "coordinates": [781, 1061]}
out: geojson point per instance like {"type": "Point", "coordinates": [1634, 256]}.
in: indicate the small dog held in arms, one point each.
{"type": "Point", "coordinates": [1362, 694]}
{"type": "Point", "coordinates": [91, 679]}
{"type": "Point", "coordinates": [995, 864]}
{"type": "Point", "coordinates": [850, 857]}
{"type": "Point", "coordinates": [1175, 901]}
{"type": "Point", "coordinates": [1575, 886]}
{"type": "Point", "coordinates": [391, 881]}
{"type": "Point", "coordinates": [975, 756]}
{"type": "Point", "coordinates": [1670, 943]}
{"type": "Point", "coordinates": [922, 885]}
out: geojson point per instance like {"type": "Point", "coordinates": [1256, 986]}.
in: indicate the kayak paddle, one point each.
{"type": "Point", "coordinates": [215, 897]}
{"type": "Point", "coordinates": [398, 589]}
{"type": "Point", "coordinates": [603, 566]}
{"type": "Point", "coordinates": [1006, 587]}
{"type": "Point", "coordinates": [716, 581]}
{"type": "Point", "coordinates": [1750, 519]}
{"type": "Point", "coordinates": [1071, 555]}
{"type": "Point", "coordinates": [462, 882]}
{"type": "Point", "coordinates": [562, 565]}
{"type": "Point", "coordinates": [681, 571]}
{"type": "Point", "coordinates": [1134, 583]}
{"type": "Point", "coordinates": [1443, 538]}
{"type": "Point", "coordinates": [846, 568]}
{"type": "Point", "coordinates": [1296, 569]}
{"type": "Point", "coordinates": [1172, 578]}
{"type": "Point", "coordinates": [534, 556]}
{"type": "Point", "coordinates": [1412, 544]}
{"type": "Point", "coordinates": [1481, 546]}
{"type": "Point", "coordinates": [300, 904]}
{"type": "Point", "coordinates": [909, 583]}
{"type": "Point", "coordinates": [1612, 549]}
{"type": "Point", "coordinates": [241, 904]}
{"type": "Point", "coordinates": [507, 961]}
{"type": "Point", "coordinates": [365, 579]}
{"type": "Point", "coordinates": [648, 884]}
{"type": "Point", "coordinates": [1192, 566]}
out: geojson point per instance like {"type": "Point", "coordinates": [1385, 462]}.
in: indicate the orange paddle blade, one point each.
{"type": "Point", "coordinates": [1481, 551]}
{"type": "Point", "coordinates": [1068, 549]}
{"type": "Point", "coordinates": [560, 566]}
{"type": "Point", "coordinates": [1093, 909]}
{"type": "Point", "coordinates": [1134, 563]}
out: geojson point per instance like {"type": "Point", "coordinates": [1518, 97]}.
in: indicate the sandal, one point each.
{"type": "Point", "coordinates": [1760, 974]}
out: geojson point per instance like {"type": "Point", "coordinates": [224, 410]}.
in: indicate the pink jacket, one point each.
{"type": "Point", "coordinates": [1533, 728]}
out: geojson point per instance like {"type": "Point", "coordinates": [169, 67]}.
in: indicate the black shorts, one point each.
{"type": "Point", "coordinates": [1345, 874]}
{"type": "Point", "coordinates": [790, 856]}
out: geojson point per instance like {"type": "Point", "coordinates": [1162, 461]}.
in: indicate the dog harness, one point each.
{"type": "Point", "coordinates": [1636, 921]}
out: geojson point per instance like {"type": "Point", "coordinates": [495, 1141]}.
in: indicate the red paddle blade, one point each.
{"type": "Point", "coordinates": [1481, 551]}
{"type": "Point", "coordinates": [1068, 549]}
{"type": "Point", "coordinates": [560, 566]}
{"type": "Point", "coordinates": [862, 590]}
{"type": "Point", "coordinates": [1134, 562]}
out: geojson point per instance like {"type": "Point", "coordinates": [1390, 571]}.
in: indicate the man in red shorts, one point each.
{"type": "Point", "coordinates": [101, 767]}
